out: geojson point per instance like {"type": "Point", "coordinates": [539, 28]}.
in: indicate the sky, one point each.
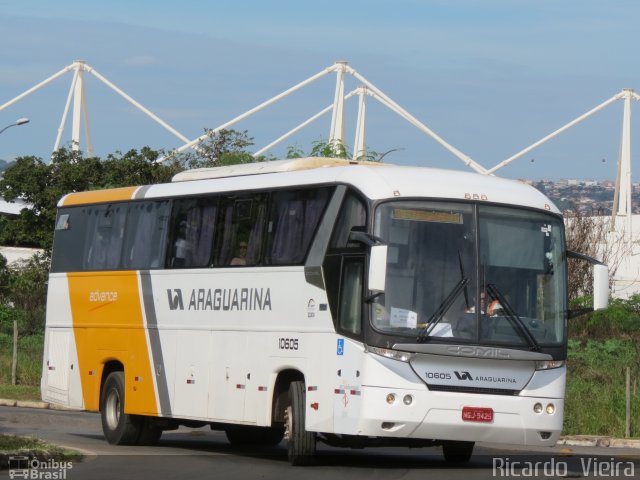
{"type": "Point", "coordinates": [491, 77]}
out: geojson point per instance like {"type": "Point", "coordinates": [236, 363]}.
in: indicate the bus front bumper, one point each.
{"type": "Point", "coordinates": [438, 416]}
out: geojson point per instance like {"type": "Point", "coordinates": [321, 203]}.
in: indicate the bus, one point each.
{"type": "Point", "coordinates": [316, 300]}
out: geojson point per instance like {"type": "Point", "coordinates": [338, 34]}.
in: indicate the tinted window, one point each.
{"type": "Point", "coordinates": [241, 226]}
{"type": "Point", "coordinates": [352, 214]}
{"type": "Point", "coordinates": [193, 228]}
{"type": "Point", "coordinates": [104, 236]}
{"type": "Point", "coordinates": [350, 313]}
{"type": "Point", "coordinates": [146, 235]}
{"type": "Point", "coordinates": [68, 240]}
{"type": "Point", "coordinates": [293, 222]}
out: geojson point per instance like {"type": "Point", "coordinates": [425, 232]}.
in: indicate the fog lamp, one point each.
{"type": "Point", "coordinates": [407, 400]}
{"type": "Point", "coordinates": [551, 408]}
{"type": "Point", "coordinates": [537, 408]}
{"type": "Point", "coordinates": [391, 398]}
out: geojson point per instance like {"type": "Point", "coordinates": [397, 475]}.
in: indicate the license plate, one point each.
{"type": "Point", "coordinates": [477, 414]}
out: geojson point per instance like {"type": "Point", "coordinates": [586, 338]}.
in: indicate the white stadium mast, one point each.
{"type": "Point", "coordinates": [80, 112]}
{"type": "Point", "coordinates": [622, 202]}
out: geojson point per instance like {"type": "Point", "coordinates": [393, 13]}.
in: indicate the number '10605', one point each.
{"type": "Point", "coordinates": [288, 344]}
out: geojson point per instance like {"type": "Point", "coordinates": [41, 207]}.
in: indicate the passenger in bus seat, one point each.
{"type": "Point", "coordinates": [181, 247]}
{"type": "Point", "coordinates": [241, 255]}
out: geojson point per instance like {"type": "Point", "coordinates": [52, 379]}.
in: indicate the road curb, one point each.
{"type": "Point", "coordinates": [32, 404]}
{"type": "Point", "coordinates": [598, 441]}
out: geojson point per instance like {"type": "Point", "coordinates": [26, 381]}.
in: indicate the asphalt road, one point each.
{"type": "Point", "coordinates": [202, 453]}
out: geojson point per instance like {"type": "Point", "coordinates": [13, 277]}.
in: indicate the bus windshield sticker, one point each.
{"type": "Point", "coordinates": [546, 229]}
{"type": "Point", "coordinates": [403, 318]}
{"type": "Point", "coordinates": [340, 347]}
{"type": "Point", "coordinates": [427, 216]}
{"type": "Point", "coordinates": [442, 330]}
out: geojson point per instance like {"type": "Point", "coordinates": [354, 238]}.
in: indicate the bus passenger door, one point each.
{"type": "Point", "coordinates": [349, 347]}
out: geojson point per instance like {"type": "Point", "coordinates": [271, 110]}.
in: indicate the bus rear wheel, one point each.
{"type": "Point", "coordinates": [457, 452]}
{"type": "Point", "coordinates": [301, 444]}
{"type": "Point", "coordinates": [119, 428]}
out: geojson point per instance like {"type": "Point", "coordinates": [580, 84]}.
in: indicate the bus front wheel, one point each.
{"type": "Point", "coordinates": [301, 444]}
{"type": "Point", "coordinates": [457, 452]}
{"type": "Point", "coordinates": [119, 428]}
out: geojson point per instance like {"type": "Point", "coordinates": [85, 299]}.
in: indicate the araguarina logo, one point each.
{"type": "Point", "coordinates": [463, 375]}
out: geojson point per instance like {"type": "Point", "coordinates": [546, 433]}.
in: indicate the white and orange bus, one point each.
{"type": "Point", "coordinates": [316, 299]}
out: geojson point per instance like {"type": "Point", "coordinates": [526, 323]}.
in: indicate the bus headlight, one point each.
{"type": "Point", "coordinates": [394, 354]}
{"type": "Point", "coordinates": [549, 364]}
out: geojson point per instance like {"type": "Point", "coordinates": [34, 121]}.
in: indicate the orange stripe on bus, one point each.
{"type": "Point", "coordinates": [98, 196]}
{"type": "Point", "coordinates": [108, 325]}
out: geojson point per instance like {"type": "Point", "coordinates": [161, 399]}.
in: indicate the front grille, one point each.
{"type": "Point", "coordinates": [486, 391]}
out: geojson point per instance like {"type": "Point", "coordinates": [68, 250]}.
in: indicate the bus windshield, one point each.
{"type": "Point", "coordinates": [467, 273]}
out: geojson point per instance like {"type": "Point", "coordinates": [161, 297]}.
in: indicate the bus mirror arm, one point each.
{"type": "Point", "coordinates": [364, 238]}
{"type": "Point", "coordinates": [600, 282]}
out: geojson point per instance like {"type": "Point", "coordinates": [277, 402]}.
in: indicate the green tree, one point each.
{"type": "Point", "coordinates": [42, 185]}
{"type": "Point", "coordinates": [219, 149]}
{"type": "Point", "coordinates": [329, 149]}
{"type": "Point", "coordinates": [27, 293]}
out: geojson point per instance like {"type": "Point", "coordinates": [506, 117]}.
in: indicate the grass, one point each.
{"type": "Point", "coordinates": [31, 447]}
{"type": "Point", "coordinates": [29, 368]}
{"type": "Point", "coordinates": [20, 392]}
{"type": "Point", "coordinates": [596, 387]}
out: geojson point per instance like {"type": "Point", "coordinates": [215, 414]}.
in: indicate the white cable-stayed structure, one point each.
{"type": "Point", "coordinates": [621, 224]}
{"type": "Point", "coordinates": [80, 114]}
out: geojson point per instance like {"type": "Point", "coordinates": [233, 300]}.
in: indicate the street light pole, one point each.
{"type": "Point", "coordinates": [20, 121]}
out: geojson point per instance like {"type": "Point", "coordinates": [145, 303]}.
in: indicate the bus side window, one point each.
{"type": "Point", "coordinates": [105, 235]}
{"type": "Point", "coordinates": [193, 227]}
{"type": "Point", "coordinates": [351, 291]}
{"type": "Point", "coordinates": [146, 235]}
{"type": "Point", "coordinates": [352, 214]}
{"type": "Point", "coordinates": [241, 223]}
{"type": "Point", "coordinates": [293, 222]}
{"type": "Point", "coordinates": [69, 240]}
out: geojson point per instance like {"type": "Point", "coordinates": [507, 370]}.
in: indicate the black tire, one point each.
{"type": "Point", "coordinates": [242, 435]}
{"type": "Point", "coordinates": [457, 452]}
{"type": "Point", "coordinates": [150, 433]}
{"type": "Point", "coordinates": [119, 428]}
{"type": "Point", "coordinates": [301, 444]}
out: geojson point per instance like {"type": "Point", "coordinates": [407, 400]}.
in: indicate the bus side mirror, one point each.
{"type": "Point", "coordinates": [600, 284]}
{"type": "Point", "coordinates": [377, 268]}
{"type": "Point", "coordinates": [600, 287]}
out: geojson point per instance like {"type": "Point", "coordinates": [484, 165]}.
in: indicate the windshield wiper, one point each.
{"type": "Point", "coordinates": [425, 332]}
{"type": "Point", "coordinates": [466, 293]}
{"type": "Point", "coordinates": [513, 317]}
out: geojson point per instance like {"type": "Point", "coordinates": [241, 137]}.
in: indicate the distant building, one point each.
{"type": "Point", "coordinates": [15, 254]}
{"type": "Point", "coordinates": [12, 208]}
{"type": "Point", "coordinates": [18, 254]}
